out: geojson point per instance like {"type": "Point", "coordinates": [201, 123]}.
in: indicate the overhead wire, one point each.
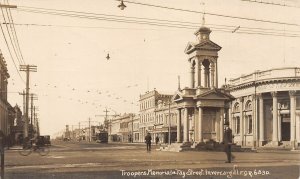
{"type": "Point", "coordinates": [184, 22]}
{"type": "Point", "coordinates": [10, 37]}
{"type": "Point", "coordinates": [206, 13]}
{"type": "Point", "coordinates": [212, 14]}
{"type": "Point", "coordinates": [8, 47]}
{"type": "Point", "coordinates": [270, 3]}
{"type": "Point", "coordinates": [15, 34]}
{"type": "Point", "coordinates": [10, 53]}
{"type": "Point", "coordinates": [157, 22]}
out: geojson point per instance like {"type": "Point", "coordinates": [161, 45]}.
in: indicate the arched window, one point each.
{"type": "Point", "coordinates": [248, 106]}
{"type": "Point", "coordinates": [236, 108]}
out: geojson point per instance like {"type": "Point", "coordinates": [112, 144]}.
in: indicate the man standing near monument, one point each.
{"type": "Point", "coordinates": [148, 141]}
{"type": "Point", "coordinates": [227, 144]}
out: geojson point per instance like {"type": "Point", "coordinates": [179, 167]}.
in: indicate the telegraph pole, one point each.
{"type": "Point", "coordinates": [169, 123]}
{"type": "Point", "coordinates": [23, 94]}
{"type": "Point", "coordinates": [132, 117]}
{"type": "Point", "coordinates": [33, 97]}
{"type": "Point", "coordinates": [90, 136]}
{"type": "Point", "coordinates": [79, 132]}
{"type": "Point", "coordinates": [107, 124]}
{"type": "Point", "coordinates": [27, 69]}
{"type": "Point", "coordinates": [37, 127]}
{"type": "Point", "coordinates": [106, 111]}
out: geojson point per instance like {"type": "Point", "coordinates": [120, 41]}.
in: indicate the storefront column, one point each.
{"type": "Point", "coordinates": [293, 118]}
{"type": "Point", "coordinates": [199, 64]}
{"type": "Point", "coordinates": [275, 119]}
{"type": "Point", "coordinates": [196, 125]}
{"type": "Point", "coordinates": [242, 128]}
{"type": "Point", "coordinates": [279, 126]}
{"type": "Point", "coordinates": [216, 74]}
{"type": "Point", "coordinates": [179, 126]}
{"type": "Point", "coordinates": [186, 126]}
{"type": "Point", "coordinates": [200, 131]}
{"type": "Point", "coordinates": [261, 121]}
{"type": "Point", "coordinates": [212, 73]}
{"type": "Point", "coordinates": [231, 124]}
{"type": "Point", "coordinates": [221, 124]}
{"type": "Point", "coordinates": [192, 85]}
{"type": "Point", "coordinates": [255, 121]}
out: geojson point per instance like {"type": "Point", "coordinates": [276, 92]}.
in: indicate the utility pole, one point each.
{"type": "Point", "coordinates": [79, 132]}
{"type": "Point", "coordinates": [27, 69]}
{"type": "Point", "coordinates": [106, 111]}
{"type": "Point", "coordinates": [24, 99]}
{"type": "Point", "coordinates": [169, 123]}
{"type": "Point", "coordinates": [132, 117]}
{"type": "Point", "coordinates": [34, 119]}
{"type": "Point", "coordinates": [33, 97]}
{"type": "Point", "coordinates": [72, 133]}
{"type": "Point", "coordinates": [90, 136]}
{"type": "Point", "coordinates": [37, 127]}
{"type": "Point", "coordinates": [107, 124]}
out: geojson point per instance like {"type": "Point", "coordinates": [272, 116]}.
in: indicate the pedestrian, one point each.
{"type": "Point", "coordinates": [227, 144]}
{"type": "Point", "coordinates": [156, 140]}
{"type": "Point", "coordinates": [148, 141]}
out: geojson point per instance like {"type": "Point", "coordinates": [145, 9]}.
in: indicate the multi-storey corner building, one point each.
{"type": "Point", "coordinates": [266, 109]}
{"type": "Point", "coordinates": [157, 116]}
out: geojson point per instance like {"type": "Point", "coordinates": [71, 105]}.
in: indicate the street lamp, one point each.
{"type": "Point", "coordinates": [122, 5]}
{"type": "Point", "coordinates": [108, 57]}
{"type": "Point", "coordinates": [169, 123]}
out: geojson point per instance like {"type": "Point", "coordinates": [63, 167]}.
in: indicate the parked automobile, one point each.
{"type": "Point", "coordinates": [102, 137]}
{"type": "Point", "coordinates": [47, 140]}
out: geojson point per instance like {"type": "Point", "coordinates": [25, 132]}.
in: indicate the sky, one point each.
{"type": "Point", "coordinates": [74, 80]}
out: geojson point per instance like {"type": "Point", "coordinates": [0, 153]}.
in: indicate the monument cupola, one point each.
{"type": "Point", "coordinates": [203, 59]}
{"type": "Point", "coordinates": [203, 34]}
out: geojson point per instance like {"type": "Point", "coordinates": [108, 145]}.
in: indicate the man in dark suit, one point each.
{"type": "Point", "coordinates": [227, 144]}
{"type": "Point", "coordinates": [148, 141]}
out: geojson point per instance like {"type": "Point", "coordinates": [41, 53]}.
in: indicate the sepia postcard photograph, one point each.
{"type": "Point", "coordinates": [159, 89]}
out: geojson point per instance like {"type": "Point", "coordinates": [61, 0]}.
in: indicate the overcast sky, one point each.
{"type": "Point", "coordinates": [75, 81]}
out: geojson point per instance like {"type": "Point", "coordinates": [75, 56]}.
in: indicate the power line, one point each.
{"type": "Point", "coordinates": [153, 23]}
{"type": "Point", "coordinates": [10, 38]}
{"type": "Point", "coordinates": [15, 33]}
{"type": "Point", "coordinates": [270, 3]}
{"type": "Point", "coordinates": [11, 53]}
{"type": "Point", "coordinates": [163, 20]}
{"type": "Point", "coordinates": [165, 7]}
{"type": "Point", "coordinates": [213, 14]}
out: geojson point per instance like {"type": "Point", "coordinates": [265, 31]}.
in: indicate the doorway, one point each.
{"type": "Point", "coordinates": [285, 127]}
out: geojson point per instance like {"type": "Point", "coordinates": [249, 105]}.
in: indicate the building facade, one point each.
{"type": "Point", "coordinates": [17, 128]}
{"type": "Point", "coordinates": [266, 109]}
{"type": "Point", "coordinates": [4, 105]}
{"type": "Point", "coordinates": [121, 128]}
{"type": "Point", "coordinates": [158, 116]}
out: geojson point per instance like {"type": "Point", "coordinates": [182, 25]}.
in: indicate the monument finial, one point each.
{"type": "Point", "coordinates": [179, 83]}
{"type": "Point", "coordinates": [203, 13]}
